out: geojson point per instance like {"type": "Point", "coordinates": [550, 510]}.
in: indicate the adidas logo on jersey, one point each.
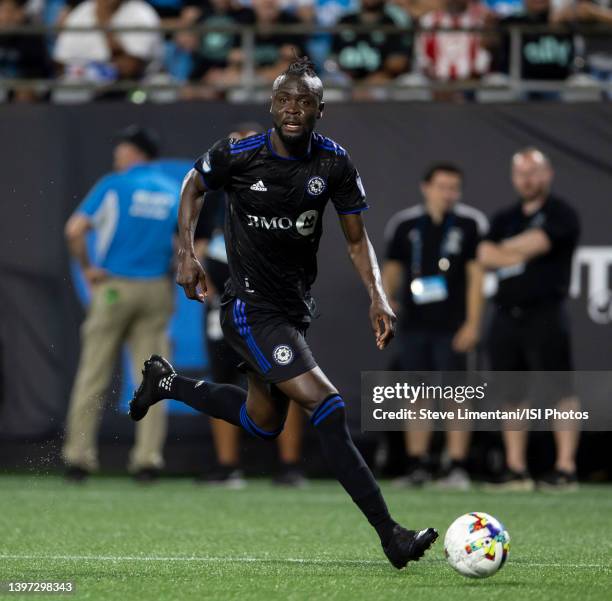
{"type": "Point", "coordinates": [259, 187]}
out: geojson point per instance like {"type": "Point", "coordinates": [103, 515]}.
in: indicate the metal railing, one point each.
{"type": "Point", "coordinates": [250, 84]}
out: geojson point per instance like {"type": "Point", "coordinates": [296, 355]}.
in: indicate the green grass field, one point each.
{"type": "Point", "coordinates": [174, 540]}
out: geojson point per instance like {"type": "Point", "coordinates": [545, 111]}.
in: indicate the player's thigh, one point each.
{"type": "Point", "coordinates": [267, 409]}
{"type": "Point", "coordinates": [308, 389]}
{"type": "Point", "coordinates": [272, 346]}
{"type": "Point", "coordinates": [223, 363]}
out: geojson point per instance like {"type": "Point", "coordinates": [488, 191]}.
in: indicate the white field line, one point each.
{"type": "Point", "coordinates": [295, 560]}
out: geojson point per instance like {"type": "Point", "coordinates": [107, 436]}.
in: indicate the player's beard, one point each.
{"type": "Point", "coordinates": [295, 141]}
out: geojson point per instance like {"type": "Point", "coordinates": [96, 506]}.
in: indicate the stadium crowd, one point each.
{"type": "Point", "coordinates": [207, 64]}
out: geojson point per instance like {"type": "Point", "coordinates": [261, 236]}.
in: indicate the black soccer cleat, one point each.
{"type": "Point", "coordinates": [408, 545]}
{"type": "Point", "coordinates": [151, 389]}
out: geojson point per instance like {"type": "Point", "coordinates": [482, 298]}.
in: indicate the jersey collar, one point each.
{"type": "Point", "coordinates": [278, 156]}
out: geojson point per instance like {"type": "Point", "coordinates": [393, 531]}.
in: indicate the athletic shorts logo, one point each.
{"type": "Point", "coordinates": [315, 185]}
{"type": "Point", "coordinates": [306, 222]}
{"type": "Point", "coordinates": [283, 354]}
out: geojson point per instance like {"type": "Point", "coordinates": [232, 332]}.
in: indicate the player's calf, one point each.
{"type": "Point", "coordinates": [222, 401]}
{"type": "Point", "coordinates": [400, 545]}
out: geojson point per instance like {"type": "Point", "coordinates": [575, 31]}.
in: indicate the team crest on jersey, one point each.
{"type": "Point", "coordinates": [283, 354]}
{"type": "Point", "coordinates": [315, 185]}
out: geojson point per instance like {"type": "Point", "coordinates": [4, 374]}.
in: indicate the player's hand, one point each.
{"type": "Point", "coordinates": [190, 274]}
{"type": "Point", "coordinates": [95, 275]}
{"type": "Point", "coordinates": [383, 321]}
{"type": "Point", "coordinates": [466, 338]}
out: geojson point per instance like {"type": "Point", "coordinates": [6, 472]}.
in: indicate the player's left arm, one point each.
{"type": "Point", "coordinates": [364, 259]}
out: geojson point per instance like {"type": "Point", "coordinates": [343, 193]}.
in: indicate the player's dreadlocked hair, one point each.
{"type": "Point", "coordinates": [302, 65]}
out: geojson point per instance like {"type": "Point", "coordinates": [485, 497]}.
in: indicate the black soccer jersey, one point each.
{"type": "Point", "coordinates": [456, 238]}
{"type": "Point", "coordinates": [273, 220]}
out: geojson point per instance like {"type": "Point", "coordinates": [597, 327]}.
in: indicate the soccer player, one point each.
{"type": "Point", "coordinates": [278, 184]}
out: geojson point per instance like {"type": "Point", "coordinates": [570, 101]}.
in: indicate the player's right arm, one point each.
{"type": "Point", "coordinates": [210, 172]}
{"type": "Point", "coordinates": [190, 273]}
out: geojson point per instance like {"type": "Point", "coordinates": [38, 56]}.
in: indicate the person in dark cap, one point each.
{"type": "Point", "coordinates": [133, 213]}
{"type": "Point", "coordinates": [140, 139]}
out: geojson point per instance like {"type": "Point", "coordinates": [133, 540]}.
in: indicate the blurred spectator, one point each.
{"type": "Point", "coordinates": [544, 56]}
{"type": "Point", "coordinates": [21, 56]}
{"type": "Point", "coordinates": [304, 10]}
{"type": "Point", "coordinates": [530, 246]}
{"type": "Point", "coordinates": [105, 56]}
{"type": "Point", "coordinates": [583, 11]}
{"type": "Point", "coordinates": [434, 283]}
{"type": "Point", "coordinates": [213, 51]}
{"type": "Point", "coordinates": [417, 8]}
{"type": "Point", "coordinates": [399, 11]}
{"type": "Point", "coordinates": [272, 52]}
{"type": "Point", "coordinates": [454, 55]}
{"type": "Point", "coordinates": [329, 12]}
{"type": "Point", "coordinates": [134, 213]}
{"type": "Point", "coordinates": [504, 8]}
{"type": "Point", "coordinates": [35, 9]}
{"type": "Point", "coordinates": [168, 10]}
{"type": "Point", "coordinates": [374, 57]}
{"type": "Point", "coordinates": [598, 49]}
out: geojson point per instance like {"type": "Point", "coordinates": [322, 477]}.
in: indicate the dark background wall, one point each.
{"type": "Point", "coordinates": [51, 155]}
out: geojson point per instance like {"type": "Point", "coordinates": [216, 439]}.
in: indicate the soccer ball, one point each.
{"type": "Point", "coordinates": [476, 545]}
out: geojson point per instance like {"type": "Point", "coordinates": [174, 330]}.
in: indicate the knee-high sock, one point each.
{"type": "Point", "coordinates": [329, 419]}
{"type": "Point", "coordinates": [223, 401]}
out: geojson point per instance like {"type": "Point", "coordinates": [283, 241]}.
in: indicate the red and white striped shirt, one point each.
{"type": "Point", "coordinates": [452, 55]}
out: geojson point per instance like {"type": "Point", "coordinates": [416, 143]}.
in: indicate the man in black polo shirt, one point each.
{"type": "Point", "coordinates": [531, 244]}
{"type": "Point", "coordinates": [432, 275]}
